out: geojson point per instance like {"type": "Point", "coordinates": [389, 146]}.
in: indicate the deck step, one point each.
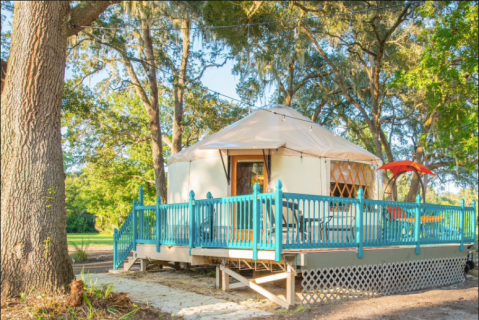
{"type": "Point", "coordinates": [129, 262]}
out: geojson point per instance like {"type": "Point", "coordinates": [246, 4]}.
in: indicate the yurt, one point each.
{"type": "Point", "coordinates": [273, 143]}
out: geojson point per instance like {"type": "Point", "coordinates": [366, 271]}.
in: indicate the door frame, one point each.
{"type": "Point", "coordinates": [243, 234]}
{"type": "Point", "coordinates": [234, 163]}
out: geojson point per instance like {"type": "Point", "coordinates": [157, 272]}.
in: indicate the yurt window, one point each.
{"type": "Point", "coordinates": [347, 177]}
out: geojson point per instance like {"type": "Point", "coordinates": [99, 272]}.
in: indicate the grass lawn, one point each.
{"type": "Point", "coordinates": [94, 239]}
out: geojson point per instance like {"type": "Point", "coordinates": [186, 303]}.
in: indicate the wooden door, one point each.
{"type": "Point", "coordinates": [246, 171]}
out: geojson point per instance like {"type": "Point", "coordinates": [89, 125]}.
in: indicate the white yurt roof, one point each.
{"type": "Point", "coordinates": [283, 131]}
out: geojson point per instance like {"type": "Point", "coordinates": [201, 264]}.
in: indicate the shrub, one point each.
{"type": "Point", "coordinates": [80, 223]}
{"type": "Point", "coordinates": [81, 248]}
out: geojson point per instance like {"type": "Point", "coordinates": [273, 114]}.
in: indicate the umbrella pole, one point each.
{"type": "Point", "coordinates": [422, 185]}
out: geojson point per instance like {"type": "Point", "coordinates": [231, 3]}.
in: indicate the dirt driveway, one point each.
{"type": "Point", "coordinates": [450, 302]}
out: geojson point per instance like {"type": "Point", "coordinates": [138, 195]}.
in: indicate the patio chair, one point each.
{"type": "Point", "coordinates": [450, 233]}
{"type": "Point", "coordinates": [348, 228]}
{"type": "Point", "coordinates": [397, 221]}
{"type": "Point", "coordinates": [292, 218]}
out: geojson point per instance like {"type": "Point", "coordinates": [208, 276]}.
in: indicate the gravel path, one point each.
{"type": "Point", "coordinates": [178, 302]}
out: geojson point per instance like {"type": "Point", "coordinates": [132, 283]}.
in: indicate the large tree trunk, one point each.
{"type": "Point", "coordinates": [34, 251]}
{"type": "Point", "coordinates": [415, 189]}
{"type": "Point", "coordinates": [154, 116]}
{"type": "Point", "coordinates": [180, 86]}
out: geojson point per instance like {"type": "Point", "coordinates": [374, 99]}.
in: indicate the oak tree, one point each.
{"type": "Point", "coordinates": [34, 251]}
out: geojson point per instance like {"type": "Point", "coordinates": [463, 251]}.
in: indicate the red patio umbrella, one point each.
{"type": "Point", "coordinates": [404, 166]}
{"type": "Point", "coordinates": [400, 167]}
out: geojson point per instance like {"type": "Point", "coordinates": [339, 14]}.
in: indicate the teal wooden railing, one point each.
{"type": "Point", "coordinates": [278, 221]}
{"type": "Point", "coordinates": [123, 241]}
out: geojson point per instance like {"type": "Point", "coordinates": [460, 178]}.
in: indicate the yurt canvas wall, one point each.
{"type": "Point", "coordinates": [308, 175]}
{"type": "Point", "coordinates": [306, 157]}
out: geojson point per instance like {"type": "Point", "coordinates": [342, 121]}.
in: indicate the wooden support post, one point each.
{"type": "Point", "coordinates": [218, 276]}
{"type": "Point", "coordinates": [256, 274]}
{"type": "Point", "coordinates": [143, 263]}
{"type": "Point", "coordinates": [290, 285]}
{"type": "Point", "coordinates": [225, 280]}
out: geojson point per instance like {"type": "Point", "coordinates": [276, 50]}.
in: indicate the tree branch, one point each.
{"type": "Point", "coordinates": [206, 67]}
{"type": "Point", "coordinates": [256, 5]}
{"type": "Point", "coordinates": [134, 80]}
{"type": "Point", "coordinates": [85, 13]}
{"type": "Point", "coordinates": [167, 140]}
{"type": "Point", "coordinates": [340, 79]}
{"type": "Point", "coordinates": [308, 77]}
{"type": "Point", "coordinates": [300, 6]}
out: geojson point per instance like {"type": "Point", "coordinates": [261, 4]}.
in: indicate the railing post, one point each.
{"type": "Point", "coordinates": [461, 226]}
{"type": "Point", "coordinates": [135, 228]}
{"type": "Point", "coordinates": [360, 223]}
{"type": "Point", "coordinates": [191, 209]}
{"type": "Point", "coordinates": [115, 247]}
{"type": "Point", "coordinates": [158, 224]}
{"type": "Point", "coordinates": [209, 218]}
{"type": "Point", "coordinates": [417, 224]}
{"type": "Point", "coordinates": [141, 213]}
{"type": "Point", "coordinates": [473, 220]}
{"type": "Point", "coordinates": [278, 223]}
{"type": "Point", "coordinates": [256, 223]}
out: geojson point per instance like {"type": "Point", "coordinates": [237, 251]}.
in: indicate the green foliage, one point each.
{"type": "Point", "coordinates": [446, 79]}
{"type": "Point", "coordinates": [79, 220]}
{"type": "Point", "coordinates": [108, 140]}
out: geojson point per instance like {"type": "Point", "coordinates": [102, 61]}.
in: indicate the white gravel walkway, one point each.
{"type": "Point", "coordinates": [178, 302]}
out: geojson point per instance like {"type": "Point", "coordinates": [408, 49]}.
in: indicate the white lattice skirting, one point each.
{"type": "Point", "coordinates": [322, 286]}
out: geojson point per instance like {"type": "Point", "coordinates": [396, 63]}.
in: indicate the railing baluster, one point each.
{"type": "Point", "coordinates": [461, 226]}
{"type": "Point", "coordinates": [135, 231]}
{"type": "Point", "coordinates": [417, 225]}
{"type": "Point", "coordinates": [278, 221]}
{"type": "Point", "coordinates": [191, 210]}
{"type": "Point", "coordinates": [115, 248]}
{"type": "Point", "coordinates": [158, 224]}
{"type": "Point", "coordinates": [473, 220]}
{"type": "Point", "coordinates": [360, 224]}
{"type": "Point", "coordinates": [255, 208]}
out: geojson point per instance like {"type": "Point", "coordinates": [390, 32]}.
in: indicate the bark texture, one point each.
{"type": "Point", "coordinates": [179, 90]}
{"type": "Point", "coordinates": [3, 74]}
{"type": "Point", "coordinates": [34, 251]}
{"type": "Point", "coordinates": [154, 116]}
